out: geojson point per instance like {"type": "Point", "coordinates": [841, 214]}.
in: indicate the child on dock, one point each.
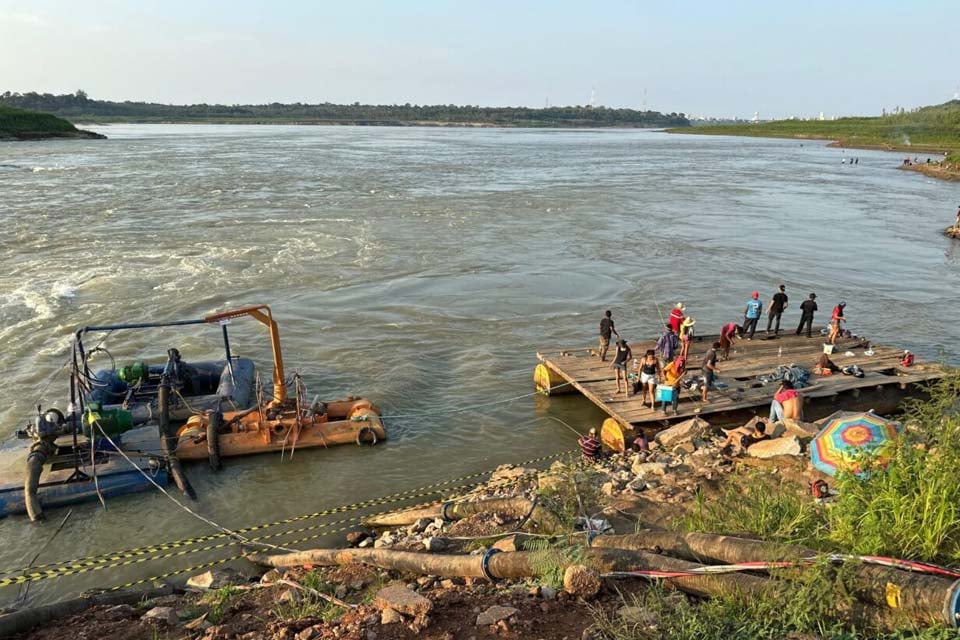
{"type": "Point", "coordinates": [619, 365]}
{"type": "Point", "coordinates": [686, 335]}
{"type": "Point", "coordinates": [710, 370]}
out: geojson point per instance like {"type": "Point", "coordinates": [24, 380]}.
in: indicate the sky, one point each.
{"type": "Point", "coordinates": [718, 58]}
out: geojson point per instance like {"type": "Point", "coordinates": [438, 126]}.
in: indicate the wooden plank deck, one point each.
{"type": "Point", "coordinates": [744, 393]}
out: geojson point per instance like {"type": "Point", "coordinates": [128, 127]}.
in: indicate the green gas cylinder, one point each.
{"type": "Point", "coordinates": [113, 421]}
{"type": "Point", "coordinates": [134, 373]}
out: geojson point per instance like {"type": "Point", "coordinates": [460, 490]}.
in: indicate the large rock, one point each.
{"type": "Point", "coordinates": [682, 432]}
{"type": "Point", "coordinates": [582, 581]}
{"type": "Point", "coordinates": [163, 615]}
{"type": "Point", "coordinates": [214, 579]}
{"type": "Point", "coordinates": [785, 446]}
{"type": "Point", "coordinates": [402, 600]}
{"type": "Point", "coordinates": [648, 469]}
{"type": "Point", "coordinates": [495, 614]}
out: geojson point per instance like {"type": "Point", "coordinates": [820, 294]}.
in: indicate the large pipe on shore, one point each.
{"type": "Point", "coordinates": [527, 564]}
{"type": "Point", "coordinates": [924, 598]}
{"type": "Point", "coordinates": [519, 508]}
{"type": "Point", "coordinates": [168, 440]}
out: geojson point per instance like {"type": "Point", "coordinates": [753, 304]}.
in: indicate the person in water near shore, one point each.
{"type": "Point", "coordinates": [710, 370]}
{"type": "Point", "coordinates": [835, 321]}
{"type": "Point", "coordinates": [787, 403]}
{"type": "Point", "coordinates": [729, 331]}
{"type": "Point", "coordinates": [807, 307]}
{"type": "Point", "coordinates": [677, 317]}
{"type": "Point", "coordinates": [619, 365]}
{"type": "Point", "coordinates": [606, 330]}
{"type": "Point", "coordinates": [590, 447]}
{"type": "Point", "coordinates": [668, 344]}
{"type": "Point", "coordinates": [686, 335]}
{"type": "Point", "coordinates": [672, 375]}
{"type": "Point", "coordinates": [776, 308]}
{"type": "Point", "coordinates": [649, 369]}
{"type": "Point", "coordinates": [751, 315]}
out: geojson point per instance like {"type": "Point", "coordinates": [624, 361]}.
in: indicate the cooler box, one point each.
{"type": "Point", "coordinates": [665, 393]}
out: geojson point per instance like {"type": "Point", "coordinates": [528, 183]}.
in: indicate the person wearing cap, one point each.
{"type": "Point", "coordinates": [606, 331]}
{"type": "Point", "coordinates": [676, 317]}
{"type": "Point", "coordinates": [751, 314]}
{"type": "Point", "coordinates": [807, 307]}
{"type": "Point", "coordinates": [619, 365]}
{"type": "Point", "coordinates": [686, 335]}
{"type": "Point", "coordinates": [835, 319]}
{"type": "Point", "coordinates": [907, 360]}
{"type": "Point", "coordinates": [776, 308]}
{"type": "Point", "coordinates": [590, 447]}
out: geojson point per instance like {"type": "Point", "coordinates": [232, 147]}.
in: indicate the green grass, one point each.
{"type": "Point", "coordinates": [930, 129]}
{"type": "Point", "coordinates": [217, 602]}
{"type": "Point", "coordinates": [20, 122]}
{"type": "Point", "coordinates": [909, 509]}
{"type": "Point", "coordinates": [308, 605]}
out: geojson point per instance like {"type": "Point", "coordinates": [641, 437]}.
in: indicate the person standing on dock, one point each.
{"type": "Point", "coordinates": [668, 344]}
{"type": "Point", "coordinates": [729, 331]}
{"type": "Point", "coordinates": [649, 375]}
{"type": "Point", "coordinates": [619, 365]}
{"type": "Point", "coordinates": [606, 331]}
{"type": "Point", "coordinates": [777, 306]}
{"type": "Point", "coordinates": [676, 317]}
{"type": "Point", "coordinates": [710, 370]}
{"type": "Point", "coordinates": [686, 335]}
{"type": "Point", "coordinates": [835, 319]}
{"type": "Point", "coordinates": [590, 447]}
{"type": "Point", "coordinates": [751, 315]}
{"type": "Point", "coordinates": [672, 375]}
{"type": "Point", "coordinates": [807, 307]}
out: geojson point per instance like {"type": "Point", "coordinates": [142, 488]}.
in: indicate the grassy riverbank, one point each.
{"type": "Point", "coordinates": [21, 124]}
{"type": "Point", "coordinates": [934, 129]}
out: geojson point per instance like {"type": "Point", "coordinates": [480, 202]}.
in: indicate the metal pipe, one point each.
{"type": "Point", "coordinates": [38, 456]}
{"type": "Point", "coordinates": [168, 440]}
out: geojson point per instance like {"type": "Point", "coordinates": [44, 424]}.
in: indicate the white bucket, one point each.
{"type": "Point", "coordinates": [828, 349]}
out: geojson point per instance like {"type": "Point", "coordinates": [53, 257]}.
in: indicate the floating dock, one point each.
{"type": "Point", "coordinates": [883, 387]}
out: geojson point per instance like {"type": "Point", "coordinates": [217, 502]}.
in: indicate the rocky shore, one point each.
{"type": "Point", "coordinates": [620, 493]}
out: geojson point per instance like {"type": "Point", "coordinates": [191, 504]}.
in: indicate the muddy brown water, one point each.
{"type": "Point", "coordinates": [423, 268]}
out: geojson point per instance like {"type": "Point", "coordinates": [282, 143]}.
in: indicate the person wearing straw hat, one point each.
{"type": "Point", "coordinates": [676, 317]}
{"type": "Point", "coordinates": [686, 335]}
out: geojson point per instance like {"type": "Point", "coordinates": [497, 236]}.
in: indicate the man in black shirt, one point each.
{"type": "Point", "coordinates": [606, 329]}
{"type": "Point", "coordinates": [807, 307]}
{"type": "Point", "coordinates": [776, 308]}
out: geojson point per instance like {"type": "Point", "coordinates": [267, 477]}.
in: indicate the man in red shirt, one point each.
{"type": "Point", "coordinates": [727, 334]}
{"type": "Point", "coordinates": [676, 317]}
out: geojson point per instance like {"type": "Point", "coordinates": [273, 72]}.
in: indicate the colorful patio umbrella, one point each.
{"type": "Point", "coordinates": [845, 436]}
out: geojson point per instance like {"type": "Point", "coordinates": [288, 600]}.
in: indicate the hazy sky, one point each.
{"type": "Point", "coordinates": [717, 57]}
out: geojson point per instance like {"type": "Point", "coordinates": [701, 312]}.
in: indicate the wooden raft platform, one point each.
{"type": "Point", "coordinates": [884, 385]}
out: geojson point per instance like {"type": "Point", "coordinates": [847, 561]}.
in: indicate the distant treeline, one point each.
{"type": "Point", "coordinates": [77, 106]}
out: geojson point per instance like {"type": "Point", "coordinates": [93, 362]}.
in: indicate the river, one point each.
{"type": "Point", "coordinates": [423, 268]}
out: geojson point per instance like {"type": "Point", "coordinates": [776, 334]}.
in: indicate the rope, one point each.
{"type": "Point", "coordinates": [85, 564]}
